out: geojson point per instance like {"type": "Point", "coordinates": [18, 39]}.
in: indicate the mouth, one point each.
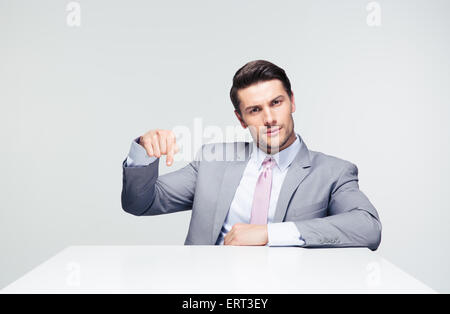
{"type": "Point", "coordinates": [273, 131]}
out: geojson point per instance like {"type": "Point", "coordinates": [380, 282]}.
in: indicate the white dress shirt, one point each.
{"type": "Point", "coordinates": [279, 234]}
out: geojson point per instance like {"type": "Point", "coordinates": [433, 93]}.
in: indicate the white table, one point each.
{"type": "Point", "coordinates": [215, 269]}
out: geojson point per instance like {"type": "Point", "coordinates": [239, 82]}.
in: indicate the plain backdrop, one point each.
{"type": "Point", "coordinates": [73, 98]}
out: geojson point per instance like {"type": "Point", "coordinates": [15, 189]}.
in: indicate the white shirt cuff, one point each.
{"type": "Point", "coordinates": [284, 234]}
{"type": "Point", "coordinates": [138, 156]}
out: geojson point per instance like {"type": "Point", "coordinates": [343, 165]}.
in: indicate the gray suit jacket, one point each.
{"type": "Point", "coordinates": [320, 194]}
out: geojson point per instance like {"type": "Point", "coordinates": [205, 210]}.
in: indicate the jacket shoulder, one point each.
{"type": "Point", "coordinates": [330, 163]}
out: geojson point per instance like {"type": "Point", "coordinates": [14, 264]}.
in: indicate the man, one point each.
{"type": "Point", "coordinates": [274, 191]}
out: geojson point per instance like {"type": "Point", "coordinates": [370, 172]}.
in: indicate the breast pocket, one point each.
{"type": "Point", "coordinates": [316, 210]}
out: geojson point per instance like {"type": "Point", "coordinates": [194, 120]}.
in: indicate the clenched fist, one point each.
{"type": "Point", "coordinates": [247, 234]}
{"type": "Point", "coordinates": [160, 142]}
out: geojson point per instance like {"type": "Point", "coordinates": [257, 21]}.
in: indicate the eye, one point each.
{"type": "Point", "coordinates": [253, 110]}
{"type": "Point", "coordinates": [276, 102]}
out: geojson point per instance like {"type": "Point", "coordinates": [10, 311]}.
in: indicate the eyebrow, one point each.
{"type": "Point", "coordinates": [256, 106]}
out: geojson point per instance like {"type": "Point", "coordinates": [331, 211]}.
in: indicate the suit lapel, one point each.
{"type": "Point", "coordinates": [297, 172]}
{"type": "Point", "coordinates": [294, 177]}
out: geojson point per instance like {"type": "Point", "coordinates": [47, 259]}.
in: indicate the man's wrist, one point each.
{"type": "Point", "coordinates": [284, 234]}
{"type": "Point", "coordinates": [137, 156]}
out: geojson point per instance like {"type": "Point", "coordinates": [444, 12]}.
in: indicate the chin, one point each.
{"type": "Point", "coordinates": [278, 140]}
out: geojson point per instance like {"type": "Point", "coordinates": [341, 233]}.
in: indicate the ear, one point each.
{"type": "Point", "coordinates": [244, 125]}
{"type": "Point", "coordinates": [292, 101]}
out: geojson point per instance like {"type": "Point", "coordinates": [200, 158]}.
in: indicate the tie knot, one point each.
{"type": "Point", "coordinates": [269, 162]}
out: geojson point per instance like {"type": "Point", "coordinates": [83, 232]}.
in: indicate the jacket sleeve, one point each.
{"type": "Point", "coordinates": [352, 220]}
{"type": "Point", "coordinates": [144, 192]}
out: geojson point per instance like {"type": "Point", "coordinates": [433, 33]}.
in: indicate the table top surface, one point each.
{"type": "Point", "coordinates": [215, 269]}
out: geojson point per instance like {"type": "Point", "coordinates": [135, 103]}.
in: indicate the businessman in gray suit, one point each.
{"type": "Point", "coordinates": [273, 191]}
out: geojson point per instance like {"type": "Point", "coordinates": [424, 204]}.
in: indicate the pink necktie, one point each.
{"type": "Point", "coordinates": [261, 197]}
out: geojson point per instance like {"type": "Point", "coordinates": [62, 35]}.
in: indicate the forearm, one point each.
{"type": "Point", "coordinates": [355, 228]}
{"type": "Point", "coordinates": [144, 192]}
{"type": "Point", "coordinates": [138, 188]}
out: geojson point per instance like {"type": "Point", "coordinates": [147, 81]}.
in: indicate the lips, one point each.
{"type": "Point", "coordinates": [273, 131]}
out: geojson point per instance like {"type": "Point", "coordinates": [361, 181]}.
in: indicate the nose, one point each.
{"type": "Point", "coordinates": [269, 118]}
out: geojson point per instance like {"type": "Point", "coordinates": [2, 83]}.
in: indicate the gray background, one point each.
{"type": "Point", "coordinates": [72, 99]}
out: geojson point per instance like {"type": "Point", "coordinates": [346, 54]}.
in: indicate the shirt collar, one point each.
{"type": "Point", "coordinates": [283, 158]}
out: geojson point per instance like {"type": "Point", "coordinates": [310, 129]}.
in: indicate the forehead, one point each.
{"type": "Point", "coordinates": [260, 93]}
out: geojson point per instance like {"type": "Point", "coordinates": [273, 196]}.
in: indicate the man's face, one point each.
{"type": "Point", "coordinates": [267, 111]}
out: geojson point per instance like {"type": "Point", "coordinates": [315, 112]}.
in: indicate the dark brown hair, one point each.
{"type": "Point", "coordinates": [254, 72]}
